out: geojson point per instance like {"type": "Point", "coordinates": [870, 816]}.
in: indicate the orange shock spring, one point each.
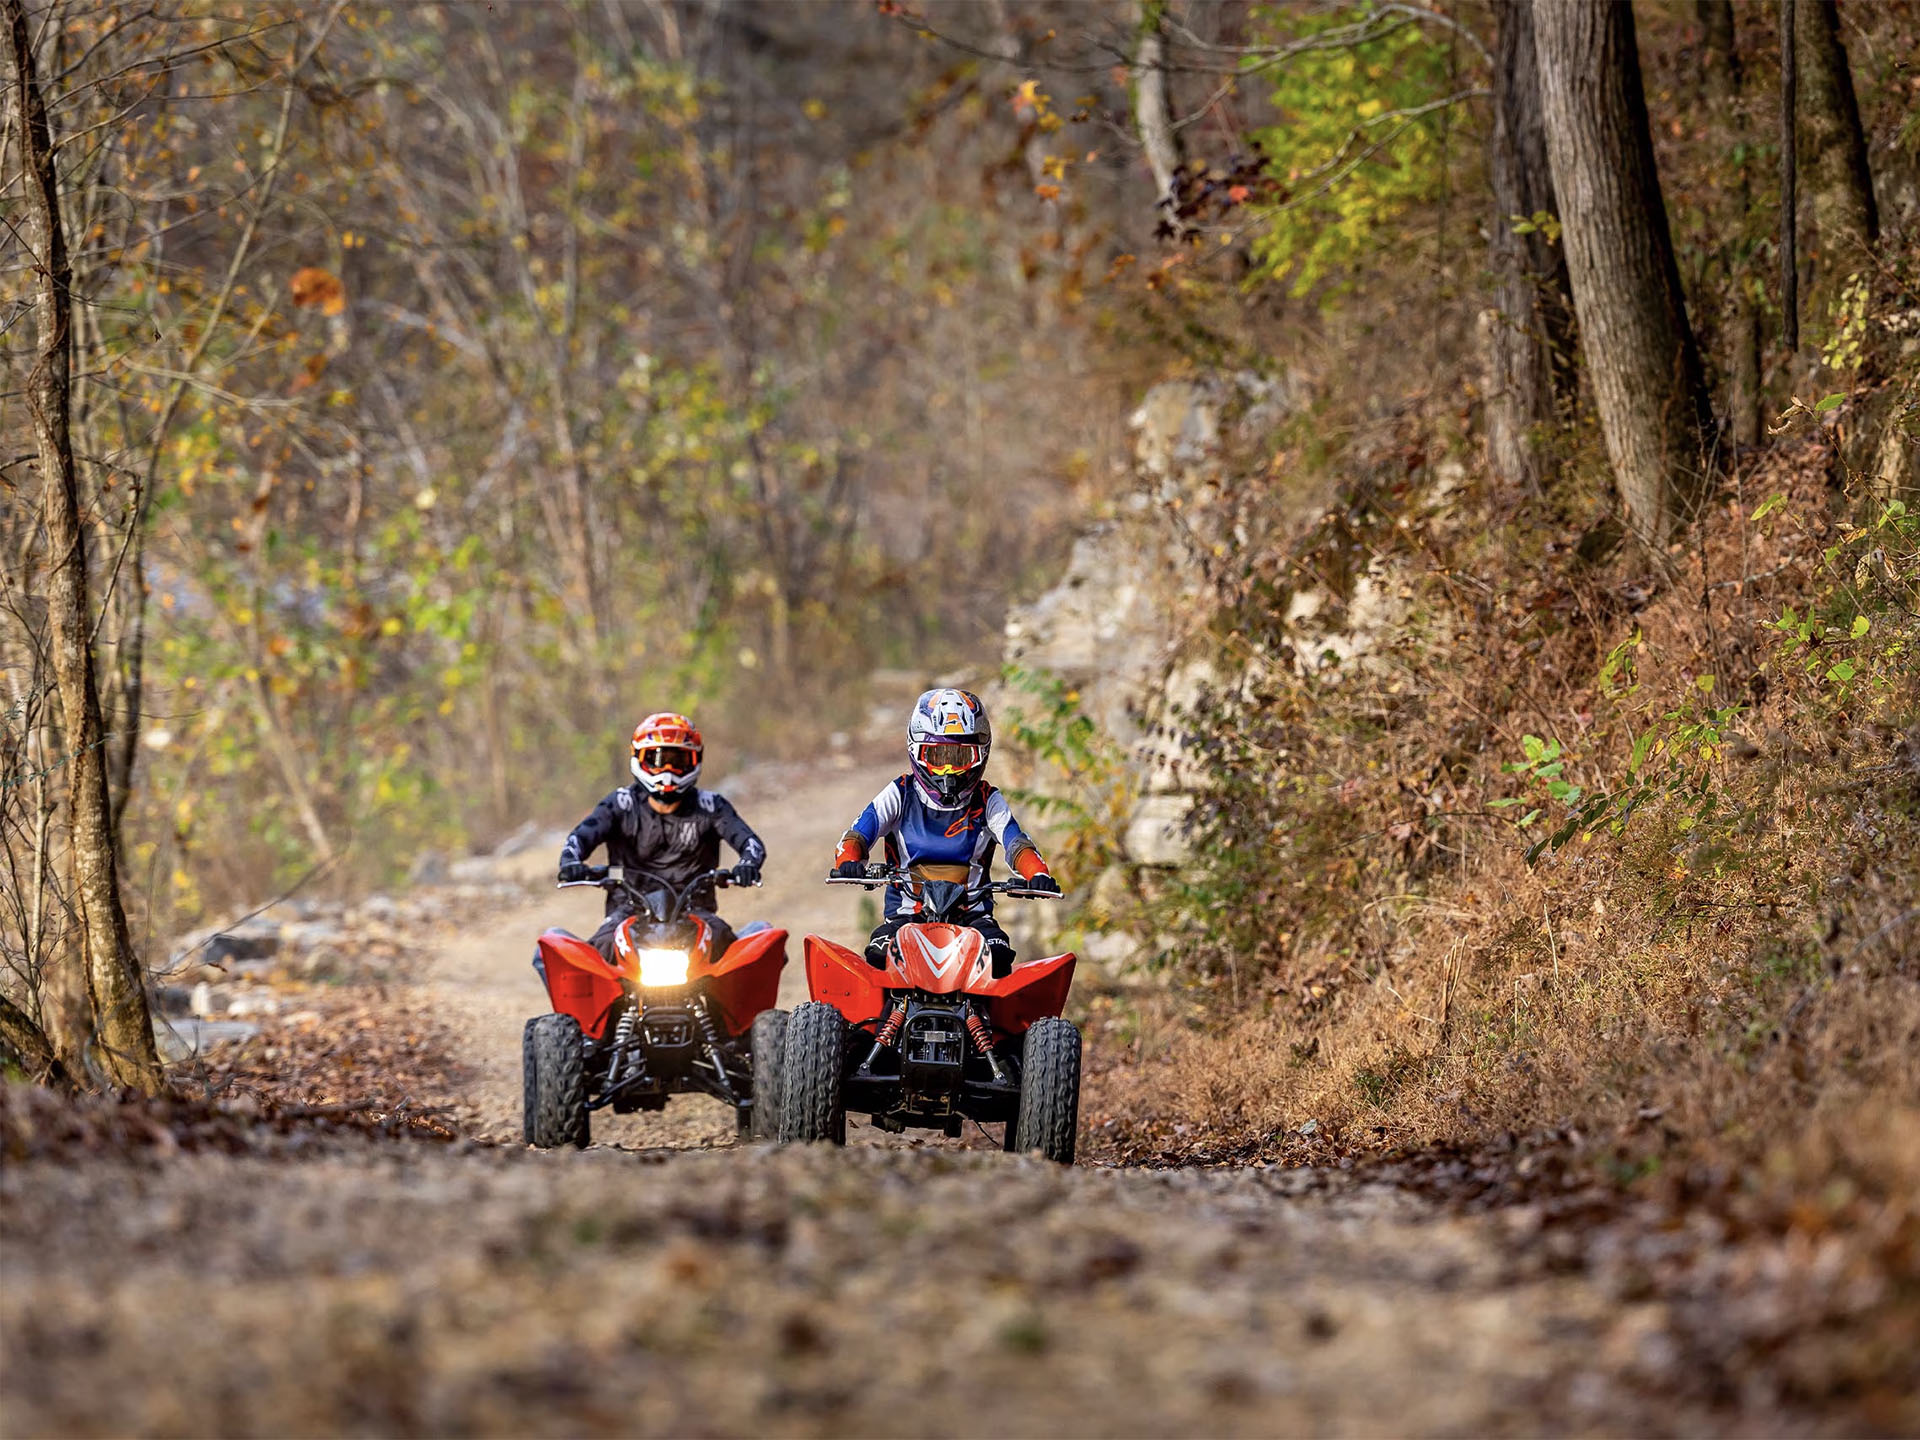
{"type": "Point", "coordinates": [981, 1032]}
{"type": "Point", "coordinates": [890, 1030]}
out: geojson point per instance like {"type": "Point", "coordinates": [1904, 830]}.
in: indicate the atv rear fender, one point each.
{"type": "Point", "coordinates": [579, 982]}
{"type": "Point", "coordinates": [746, 980]}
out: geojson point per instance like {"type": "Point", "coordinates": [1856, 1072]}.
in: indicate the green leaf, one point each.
{"type": "Point", "coordinates": [1641, 748]}
{"type": "Point", "coordinates": [1769, 505]}
{"type": "Point", "coordinates": [1831, 402]}
{"type": "Point", "coordinates": [1841, 672]}
{"type": "Point", "coordinates": [1861, 625]}
{"type": "Point", "coordinates": [1505, 801]}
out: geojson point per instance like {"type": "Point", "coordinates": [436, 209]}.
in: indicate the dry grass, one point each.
{"type": "Point", "coordinates": [1682, 991]}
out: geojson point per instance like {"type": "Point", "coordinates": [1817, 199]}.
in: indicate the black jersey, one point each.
{"type": "Point", "coordinates": [675, 846]}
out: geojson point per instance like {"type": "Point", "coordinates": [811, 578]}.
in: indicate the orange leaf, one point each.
{"type": "Point", "coordinates": [314, 286]}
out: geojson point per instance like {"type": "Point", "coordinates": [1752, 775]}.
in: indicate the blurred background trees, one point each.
{"type": "Point", "coordinates": [452, 384]}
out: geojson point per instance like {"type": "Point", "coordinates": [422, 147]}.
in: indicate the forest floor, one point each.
{"type": "Point", "coordinates": [667, 1282]}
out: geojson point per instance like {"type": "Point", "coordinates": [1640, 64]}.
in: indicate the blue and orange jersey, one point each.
{"type": "Point", "coordinates": [938, 844]}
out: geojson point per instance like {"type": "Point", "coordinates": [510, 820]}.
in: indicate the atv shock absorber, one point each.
{"type": "Point", "coordinates": [711, 1037]}
{"type": "Point", "coordinates": [982, 1034]}
{"type": "Point", "coordinates": [888, 1032]}
{"type": "Point", "coordinates": [619, 1049]}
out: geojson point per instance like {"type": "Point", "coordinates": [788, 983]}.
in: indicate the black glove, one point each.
{"type": "Point", "coordinates": [1044, 883]}
{"type": "Point", "coordinates": [572, 872]}
{"type": "Point", "coordinates": [746, 873]}
{"type": "Point", "coordinates": [850, 870]}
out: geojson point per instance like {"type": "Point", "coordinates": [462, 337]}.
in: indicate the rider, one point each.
{"type": "Point", "coordinates": [941, 821]}
{"type": "Point", "coordinates": [665, 825]}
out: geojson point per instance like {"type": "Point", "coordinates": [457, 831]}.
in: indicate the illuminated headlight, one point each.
{"type": "Point", "coordinates": [663, 967]}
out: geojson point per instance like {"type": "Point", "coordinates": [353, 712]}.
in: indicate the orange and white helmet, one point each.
{"type": "Point", "coordinates": [666, 754]}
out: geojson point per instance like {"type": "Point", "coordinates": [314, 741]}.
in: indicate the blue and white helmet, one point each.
{"type": "Point", "coordinates": [948, 740]}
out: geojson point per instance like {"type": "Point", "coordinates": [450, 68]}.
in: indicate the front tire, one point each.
{"type": "Point", "coordinates": [554, 1074]}
{"type": "Point", "coordinates": [768, 1043]}
{"type": "Point", "coordinates": [1049, 1119]}
{"type": "Point", "coordinates": [812, 1108]}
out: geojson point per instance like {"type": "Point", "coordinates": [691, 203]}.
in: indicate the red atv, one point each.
{"type": "Point", "coordinates": [933, 1038]}
{"type": "Point", "coordinates": [670, 1018]}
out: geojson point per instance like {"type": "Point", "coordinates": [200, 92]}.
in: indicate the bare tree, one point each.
{"type": "Point", "coordinates": [1153, 107]}
{"type": "Point", "coordinates": [1634, 333]}
{"type": "Point", "coordinates": [1532, 339]}
{"type": "Point", "coordinates": [121, 1023]}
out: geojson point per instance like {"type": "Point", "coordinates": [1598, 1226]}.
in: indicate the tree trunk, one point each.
{"type": "Point", "coordinates": [1722, 82]}
{"type": "Point", "coordinates": [122, 1027]}
{"type": "Point", "coordinates": [1789, 185]}
{"type": "Point", "coordinates": [1153, 112]}
{"type": "Point", "coordinates": [1832, 151]}
{"type": "Point", "coordinates": [1639, 347]}
{"type": "Point", "coordinates": [25, 1042]}
{"type": "Point", "coordinates": [1531, 345]}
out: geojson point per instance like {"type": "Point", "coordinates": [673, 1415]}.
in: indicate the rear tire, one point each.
{"type": "Point", "coordinates": [812, 1109]}
{"type": "Point", "coordinates": [554, 1073]}
{"type": "Point", "coordinates": [768, 1043]}
{"type": "Point", "coordinates": [1049, 1119]}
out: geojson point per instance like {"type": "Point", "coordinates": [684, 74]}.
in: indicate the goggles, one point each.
{"type": "Point", "coordinates": [947, 757]}
{"type": "Point", "coordinates": [669, 760]}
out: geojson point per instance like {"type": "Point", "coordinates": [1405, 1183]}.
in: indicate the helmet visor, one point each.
{"type": "Point", "coordinates": [947, 757]}
{"type": "Point", "coordinates": [669, 760]}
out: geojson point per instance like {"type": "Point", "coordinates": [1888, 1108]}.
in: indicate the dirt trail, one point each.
{"type": "Point", "coordinates": [885, 1289]}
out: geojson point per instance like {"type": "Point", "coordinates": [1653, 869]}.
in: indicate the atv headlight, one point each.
{"type": "Point", "coordinates": [663, 967]}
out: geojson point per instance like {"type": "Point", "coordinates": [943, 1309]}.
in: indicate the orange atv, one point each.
{"type": "Point", "coordinates": [934, 1037]}
{"type": "Point", "coordinates": [670, 1018]}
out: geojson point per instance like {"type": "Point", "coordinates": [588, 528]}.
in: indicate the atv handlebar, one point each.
{"type": "Point", "coordinates": [879, 875]}
{"type": "Point", "coordinates": [611, 877]}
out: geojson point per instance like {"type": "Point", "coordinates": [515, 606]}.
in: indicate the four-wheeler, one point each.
{"type": "Point", "coordinates": [934, 1038]}
{"type": "Point", "coordinates": [669, 1018]}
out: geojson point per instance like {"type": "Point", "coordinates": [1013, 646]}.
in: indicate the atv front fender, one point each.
{"type": "Point", "coordinates": [1029, 992]}
{"type": "Point", "coordinates": [746, 980]}
{"type": "Point", "coordinates": [580, 982]}
{"type": "Point", "coordinates": [842, 978]}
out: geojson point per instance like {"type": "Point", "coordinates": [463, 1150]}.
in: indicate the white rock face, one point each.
{"type": "Point", "coordinates": [1154, 834]}
{"type": "Point", "coordinates": [1115, 628]}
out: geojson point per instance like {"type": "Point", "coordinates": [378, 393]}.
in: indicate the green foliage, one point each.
{"type": "Point", "coordinates": [1086, 789]}
{"type": "Point", "coordinates": [1358, 142]}
{"type": "Point", "coordinates": [1851, 647]}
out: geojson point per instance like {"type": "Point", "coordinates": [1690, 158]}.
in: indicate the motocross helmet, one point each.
{"type": "Point", "coordinates": [948, 740]}
{"type": "Point", "coordinates": [666, 755]}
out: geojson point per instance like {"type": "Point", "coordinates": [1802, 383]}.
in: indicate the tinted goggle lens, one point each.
{"type": "Point", "coordinates": [945, 758]}
{"type": "Point", "coordinates": [668, 760]}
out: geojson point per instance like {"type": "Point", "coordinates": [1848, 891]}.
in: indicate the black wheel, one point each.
{"type": "Point", "coordinates": [768, 1042]}
{"type": "Point", "coordinates": [555, 1075]}
{"type": "Point", "coordinates": [1049, 1118]}
{"type": "Point", "coordinates": [811, 1107]}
